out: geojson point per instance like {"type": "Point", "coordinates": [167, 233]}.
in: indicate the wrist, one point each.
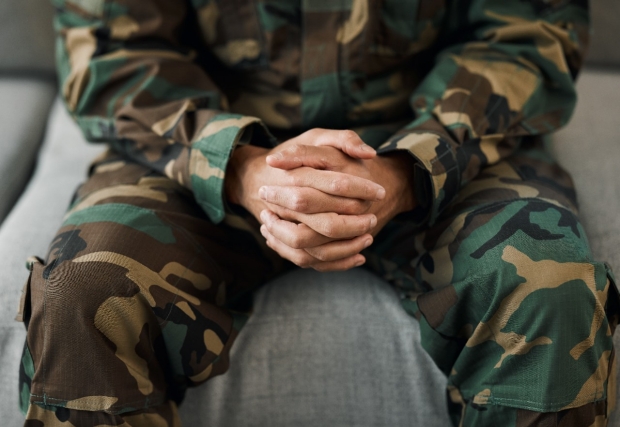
{"type": "Point", "coordinates": [400, 166]}
{"type": "Point", "coordinates": [241, 168]}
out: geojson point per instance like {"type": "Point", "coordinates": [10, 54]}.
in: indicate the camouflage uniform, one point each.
{"type": "Point", "coordinates": [141, 294]}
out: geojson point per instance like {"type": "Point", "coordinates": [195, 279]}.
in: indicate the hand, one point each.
{"type": "Point", "coordinates": [305, 247]}
{"type": "Point", "coordinates": [248, 171]}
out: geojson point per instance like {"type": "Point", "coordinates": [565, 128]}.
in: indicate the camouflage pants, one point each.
{"type": "Point", "coordinates": [140, 297]}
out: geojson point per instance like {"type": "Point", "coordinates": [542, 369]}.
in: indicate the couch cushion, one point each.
{"type": "Point", "coordinates": [24, 106]}
{"type": "Point", "coordinates": [589, 148]}
{"type": "Point", "coordinates": [26, 36]}
{"type": "Point", "coordinates": [332, 349]}
{"type": "Point", "coordinates": [605, 15]}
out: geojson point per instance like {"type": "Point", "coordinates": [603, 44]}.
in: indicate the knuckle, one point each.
{"type": "Point", "coordinates": [338, 185]}
{"type": "Point", "coordinates": [320, 255]}
{"type": "Point", "coordinates": [314, 132]}
{"type": "Point", "coordinates": [348, 135]}
{"type": "Point", "coordinates": [293, 179]}
{"type": "Point", "coordinates": [303, 261]}
{"type": "Point", "coordinates": [296, 242]}
{"type": "Point", "coordinates": [354, 207]}
{"type": "Point", "coordinates": [298, 202]}
{"type": "Point", "coordinates": [329, 229]}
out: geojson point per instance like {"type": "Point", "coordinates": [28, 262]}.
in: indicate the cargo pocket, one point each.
{"type": "Point", "coordinates": [24, 306]}
{"type": "Point", "coordinates": [24, 310]}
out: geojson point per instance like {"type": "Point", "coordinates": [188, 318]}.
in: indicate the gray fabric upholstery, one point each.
{"type": "Point", "coordinates": [28, 230]}
{"type": "Point", "coordinates": [26, 36]}
{"type": "Point", "coordinates": [605, 16]}
{"type": "Point", "coordinates": [324, 350]}
{"type": "Point", "coordinates": [589, 148]}
{"type": "Point", "coordinates": [24, 106]}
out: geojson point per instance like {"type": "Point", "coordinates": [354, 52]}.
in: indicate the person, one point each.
{"type": "Point", "coordinates": [248, 137]}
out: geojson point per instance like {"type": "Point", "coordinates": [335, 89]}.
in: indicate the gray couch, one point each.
{"type": "Point", "coordinates": [321, 349]}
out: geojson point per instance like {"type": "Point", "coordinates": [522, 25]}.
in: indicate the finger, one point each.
{"type": "Point", "coordinates": [297, 236]}
{"type": "Point", "coordinates": [309, 200]}
{"type": "Point", "coordinates": [340, 249]}
{"type": "Point", "coordinates": [348, 141]}
{"type": "Point", "coordinates": [338, 226]}
{"type": "Point", "coordinates": [336, 183]}
{"type": "Point", "coordinates": [305, 260]}
{"type": "Point", "coordinates": [298, 155]}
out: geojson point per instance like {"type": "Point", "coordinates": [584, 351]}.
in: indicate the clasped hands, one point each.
{"type": "Point", "coordinates": [321, 196]}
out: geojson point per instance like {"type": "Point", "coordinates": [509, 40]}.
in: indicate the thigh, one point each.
{"type": "Point", "coordinates": [506, 290]}
{"type": "Point", "coordinates": [507, 199]}
{"type": "Point", "coordinates": [136, 297]}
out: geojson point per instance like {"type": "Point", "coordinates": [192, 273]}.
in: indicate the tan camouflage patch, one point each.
{"type": "Point", "coordinates": [128, 191]}
{"type": "Point", "coordinates": [236, 51]}
{"type": "Point", "coordinates": [121, 320]}
{"type": "Point", "coordinates": [423, 146]}
{"type": "Point", "coordinates": [544, 274]}
{"type": "Point", "coordinates": [92, 403]}
{"type": "Point", "coordinates": [597, 321]}
{"type": "Point", "coordinates": [482, 398]}
{"type": "Point", "coordinates": [551, 40]}
{"type": "Point", "coordinates": [355, 24]}
{"type": "Point", "coordinates": [138, 273]}
{"type": "Point", "coordinates": [514, 82]}
{"type": "Point", "coordinates": [208, 17]}
{"type": "Point", "coordinates": [185, 308]}
{"type": "Point", "coordinates": [501, 171]}
{"type": "Point", "coordinates": [200, 167]}
{"type": "Point", "coordinates": [81, 45]}
{"type": "Point", "coordinates": [110, 167]}
{"type": "Point", "coordinates": [488, 145]}
{"type": "Point", "coordinates": [123, 27]}
{"type": "Point", "coordinates": [199, 280]}
{"type": "Point", "coordinates": [166, 124]}
{"type": "Point", "coordinates": [216, 126]}
{"type": "Point", "coordinates": [593, 389]}
{"type": "Point", "coordinates": [265, 107]}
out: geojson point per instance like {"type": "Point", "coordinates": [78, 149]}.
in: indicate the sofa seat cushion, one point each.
{"type": "Point", "coordinates": [24, 106]}
{"type": "Point", "coordinates": [589, 148]}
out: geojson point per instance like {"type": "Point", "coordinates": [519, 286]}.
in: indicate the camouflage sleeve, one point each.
{"type": "Point", "coordinates": [128, 80]}
{"type": "Point", "coordinates": [505, 71]}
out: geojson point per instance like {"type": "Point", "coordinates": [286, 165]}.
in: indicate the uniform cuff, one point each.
{"type": "Point", "coordinates": [436, 173]}
{"type": "Point", "coordinates": [211, 152]}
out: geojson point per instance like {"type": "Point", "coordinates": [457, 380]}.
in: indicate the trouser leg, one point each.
{"type": "Point", "coordinates": [139, 297]}
{"type": "Point", "coordinates": [512, 307]}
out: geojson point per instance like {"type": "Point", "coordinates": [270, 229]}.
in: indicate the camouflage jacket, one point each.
{"type": "Point", "coordinates": [176, 84]}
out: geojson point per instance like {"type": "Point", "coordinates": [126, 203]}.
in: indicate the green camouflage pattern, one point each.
{"type": "Point", "coordinates": [511, 305]}
{"type": "Point", "coordinates": [176, 85]}
{"type": "Point", "coordinates": [139, 280]}
{"type": "Point", "coordinates": [142, 281]}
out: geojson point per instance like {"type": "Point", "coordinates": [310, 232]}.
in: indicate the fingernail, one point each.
{"type": "Point", "coordinates": [373, 221]}
{"type": "Point", "coordinates": [380, 194]}
{"type": "Point", "coordinates": [368, 148]}
{"type": "Point", "coordinates": [263, 216]}
{"type": "Point", "coordinates": [367, 242]}
{"type": "Point", "coordinates": [261, 192]}
{"type": "Point", "coordinates": [359, 262]}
